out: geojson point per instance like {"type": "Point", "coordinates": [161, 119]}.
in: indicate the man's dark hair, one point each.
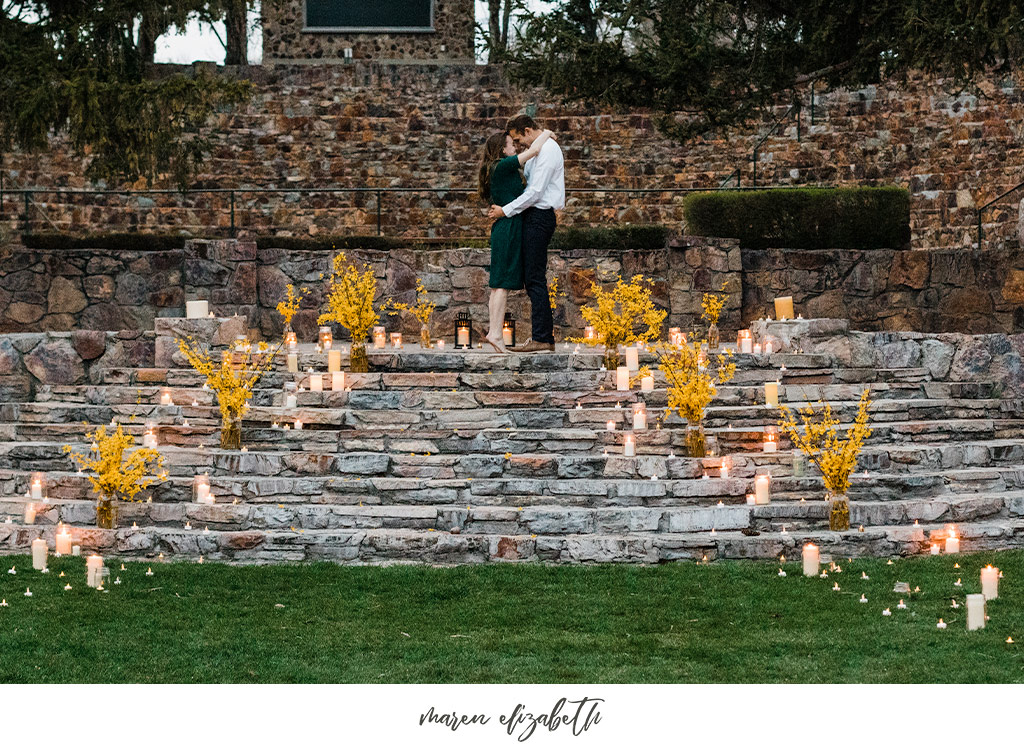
{"type": "Point", "coordinates": [520, 123]}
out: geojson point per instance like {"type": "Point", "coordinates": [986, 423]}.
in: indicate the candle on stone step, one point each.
{"type": "Point", "coordinates": [325, 338]}
{"type": "Point", "coordinates": [629, 446]}
{"type": "Point", "coordinates": [675, 336]}
{"type": "Point", "coordinates": [293, 362]}
{"type": "Point", "coordinates": [316, 383]}
{"type": "Point", "coordinates": [201, 489]}
{"type": "Point", "coordinates": [770, 443]}
{"type": "Point", "coordinates": [611, 425]}
{"type": "Point", "coordinates": [952, 543]}
{"type": "Point", "coordinates": [762, 489]}
{"type": "Point", "coordinates": [632, 358]}
{"type": "Point", "coordinates": [757, 349]}
{"type": "Point", "coordinates": [298, 424]}
{"type": "Point", "coordinates": [440, 345]}
{"type": "Point", "coordinates": [990, 582]}
{"type": "Point", "coordinates": [812, 558]}
{"type": "Point", "coordinates": [64, 542]}
{"type": "Point", "coordinates": [39, 552]}
{"type": "Point", "coordinates": [396, 340]}
{"type": "Point", "coordinates": [744, 342]}
{"type": "Point", "coordinates": [771, 394]}
{"type": "Point", "coordinates": [36, 489]}
{"type": "Point", "coordinates": [647, 383]}
{"type": "Point", "coordinates": [380, 337]}
{"type": "Point", "coordinates": [590, 332]}
{"type": "Point", "coordinates": [334, 360]}
{"type": "Point", "coordinates": [768, 347]}
{"type": "Point", "coordinates": [622, 378]}
{"type": "Point", "coordinates": [784, 307]}
{"type": "Point", "coordinates": [934, 549]}
{"type": "Point", "coordinates": [640, 418]}
{"type": "Point", "coordinates": [93, 566]}
{"type": "Point", "coordinates": [291, 340]}
{"type": "Point", "coordinates": [506, 335]}
{"type": "Point", "coordinates": [751, 500]}
{"type": "Point", "coordinates": [975, 611]}
{"type": "Point", "coordinates": [197, 309]}
{"type": "Point", "coordinates": [30, 513]}
{"type": "Point", "coordinates": [723, 472]}
{"type": "Point", "coordinates": [149, 438]}
{"type": "Point", "coordinates": [462, 337]}
{"type": "Point", "coordinates": [337, 380]}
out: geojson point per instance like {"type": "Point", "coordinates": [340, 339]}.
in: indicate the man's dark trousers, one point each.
{"type": "Point", "coordinates": [538, 227]}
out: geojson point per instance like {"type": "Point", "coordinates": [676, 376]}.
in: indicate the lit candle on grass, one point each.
{"type": "Point", "coordinates": [990, 582]}
{"type": "Point", "coordinates": [93, 566]}
{"type": "Point", "coordinates": [39, 553]}
{"type": "Point", "coordinates": [975, 611]}
{"type": "Point", "coordinates": [952, 543]}
{"type": "Point", "coordinates": [812, 558]}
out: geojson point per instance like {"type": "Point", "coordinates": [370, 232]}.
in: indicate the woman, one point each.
{"type": "Point", "coordinates": [501, 181]}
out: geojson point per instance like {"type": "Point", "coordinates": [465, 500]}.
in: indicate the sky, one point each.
{"type": "Point", "coordinates": [201, 43]}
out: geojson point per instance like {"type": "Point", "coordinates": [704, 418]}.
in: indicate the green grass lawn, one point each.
{"type": "Point", "coordinates": [686, 623]}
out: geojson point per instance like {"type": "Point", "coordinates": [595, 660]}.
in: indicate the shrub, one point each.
{"type": "Point", "coordinates": [318, 243]}
{"type": "Point", "coordinates": [804, 218]}
{"type": "Point", "coordinates": [121, 241]}
{"type": "Point", "coordinates": [614, 237]}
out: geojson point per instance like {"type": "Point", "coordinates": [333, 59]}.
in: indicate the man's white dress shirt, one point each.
{"type": "Point", "coordinates": [545, 182]}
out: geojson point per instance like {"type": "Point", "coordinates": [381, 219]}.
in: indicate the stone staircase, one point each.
{"type": "Point", "coordinates": [451, 457]}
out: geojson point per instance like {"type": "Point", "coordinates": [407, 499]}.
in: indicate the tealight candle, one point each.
{"type": "Point", "coordinates": [990, 582]}
{"type": "Point", "coordinates": [622, 378]}
{"type": "Point", "coordinates": [64, 542]}
{"type": "Point", "coordinates": [39, 553]}
{"type": "Point", "coordinates": [771, 394]}
{"type": "Point", "coordinates": [975, 611]}
{"type": "Point", "coordinates": [629, 446]}
{"type": "Point", "coordinates": [784, 307]}
{"type": "Point", "coordinates": [316, 383]}
{"type": "Point", "coordinates": [811, 559]}
{"type": "Point", "coordinates": [762, 489]}
{"type": "Point", "coordinates": [396, 340]}
{"type": "Point", "coordinates": [632, 358]}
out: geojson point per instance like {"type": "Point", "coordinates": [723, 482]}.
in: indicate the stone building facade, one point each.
{"type": "Point", "coordinates": [286, 37]}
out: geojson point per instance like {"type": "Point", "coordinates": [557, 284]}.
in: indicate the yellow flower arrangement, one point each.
{"type": "Point", "coordinates": [692, 385]}
{"type": "Point", "coordinates": [112, 476]}
{"type": "Point", "coordinates": [712, 305]}
{"type": "Point", "coordinates": [232, 379]}
{"type": "Point", "coordinates": [624, 313]}
{"type": "Point", "coordinates": [836, 458]}
{"type": "Point", "coordinates": [350, 304]}
{"type": "Point", "coordinates": [290, 306]}
{"type": "Point", "coordinates": [421, 310]}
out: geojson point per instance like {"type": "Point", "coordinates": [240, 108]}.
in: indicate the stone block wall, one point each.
{"type": "Point", "coordinates": [387, 125]}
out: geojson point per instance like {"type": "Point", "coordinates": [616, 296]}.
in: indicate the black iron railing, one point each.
{"type": "Point", "coordinates": [986, 205]}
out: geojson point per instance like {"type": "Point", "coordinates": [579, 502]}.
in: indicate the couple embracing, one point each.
{"type": "Point", "coordinates": [524, 190]}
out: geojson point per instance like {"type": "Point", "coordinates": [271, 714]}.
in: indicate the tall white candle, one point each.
{"type": "Point", "coordinates": [640, 419]}
{"type": "Point", "coordinates": [506, 335]}
{"type": "Point", "coordinates": [337, 380]}
{"type": "Point", "coordinates": [334, 360]}
{"type": "Point", "coordinates": [629, 446]}
{"type": "Point", "coordinates": [39, 552]}
{"type": "Point", "coordinates": [30, 513]}
{"type": "Point", "coordinates": [293, 362]}
{"type": "Point", "coordinates": [622, 378]}
{"type": "Point", "coordinates": [64, 542]}
{"type": "Point", "coordinates": [990, 582]}
{"type": "Point", "coordinates": [811, 559]}
{"type": "Point", "coordinates": [762, 489]}
{"type": "Point", "coordinates": [37, 489]}
{"type": "Point", "coordinates": [647, 383]}
{"type": "Point", "coordinates": [197, 309]}
{"type": "Point", "coordinates": [771, 394]}
{"type": "Point", "coordinates": [316, 383]}
{"type": "Point", "coordinates": [975, 611]}
{"type": "Point", "coordinates": [462, 337]}
{"type": "Point", "coordinates": [632, 358]}
{"type": "Point", "coordinates": [93, 566]}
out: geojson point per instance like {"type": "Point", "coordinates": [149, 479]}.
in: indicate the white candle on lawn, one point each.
{"type": "Point", "coordinates": [197, 309]}
{"type": "Point", "coordinates": [622, 378]}
{"type": "Point", "coordinates": [337, 380]}
{"type": "Point", "coordinates": [632, 358]}
{"type": "Point", "coordinates": [76, 550]}
{"type": "Point", "coordinates": [64, 542]}
{"type": "Point", "coordinates": [629, 446]}
{"type": "Point", "coordinates": [934, 549]}
{"type": "Point", "coordinates": [316, 383]}
{"type": "Point", "coordinates": [975, 611]}
{"type": "Point", "coordinates": [990, 582]}
{"type": "Point", "coordinates": [812, 557]}
{"type": "Point", "coordinates": [334, 360]}
{"type": "Point", "coordinates": [93, 566]}
{"type": "Point", "coordinates": [771, 394]}
{"type": "Point", "coordinates": [762, 489]}
{"type": "Point", "coordinates": [39, 552]}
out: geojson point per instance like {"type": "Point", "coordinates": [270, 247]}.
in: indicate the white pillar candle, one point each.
{"type": "Point", "coordinates": [506, 336]}
{"type": "Point", "coordinates": [768, 347]}
{"type": "Point", "coordinates": [30, 513]}
{"type": "Point", "coordinates": [811, 559]}
{"type": "Point", "coordinates": [647, 383]}
{"type": "Point", "coordinates": [293, 362]}
{"type": "Point", "coordinates": [762, 489]}
{"type": "Point", "coordinates": [990, 582]}
{"type": "Point", "coordinates": [76, 550]}
{"type": "Point", "coordinates": [337, 380]}
{"type": "Point", "coordinates": [751, 500]}
{"type": "Point", "coordinates": [440, 345]}
{"type": "Point", "coordinates": [640, 419]}
{"type": "Point", "coordinates": [770, 445]}
{"type": "Point", "coordinates": [380, 337]}
{"type": "Point", "coordinates": [784, 307]}
{"type": "Point", "coordinates": [149, 439]}
{"type": "Point", "coordinates": [934, 549]}
{"type": "Point", "coordinates": [771, 394]}
{"type": "Point", "coordinates": [462, 337]}
{"type": "Point", "coordinates": [64, 542]}
{"type": "Point", "coordinates": [298, 424]}
{"type": "Point", "coordinates": [975, 611]}
{"type": "Point", "coordinates": [611, 425]}
{"type": "Point", "coordinates": [290, 400]}
{"type": "Point", "coordinates": [622, 378]}
{"type": "Point", "coordinates": [334, 360]}
{"type": "Point", "coordinates": [723, 471]}
{"type": "Point", "coordinates": [316, 383]}
{"type": "Point", "coordinates": [629, 446]}
{"type": "Point", "coordinates": [197, 309]}
{"type": "Point", "coordinates": [757, 349]}
{"type": "Point", "coordinates": [93, 566]}
{"type": "Point", "coordinates": [39, 552]}
{"type": "Point", "coordinates": [746, 345]}
{"type": "Point", "coordinates": [952, 544]}
{"type": "Point", "coordinates": [37, 489]}
{"type": "Point", "coordinates": [632, 358]}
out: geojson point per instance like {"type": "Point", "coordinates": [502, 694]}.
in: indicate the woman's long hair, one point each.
{"type": "Point", "coordinates": [494, 151]}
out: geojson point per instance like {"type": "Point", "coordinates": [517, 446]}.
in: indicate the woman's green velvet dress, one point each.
{"type": "Point", "coordinates": [507, 232]}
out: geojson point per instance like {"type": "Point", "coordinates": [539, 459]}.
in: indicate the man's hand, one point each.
{"type": "Point", "coordinates": [495, 212]}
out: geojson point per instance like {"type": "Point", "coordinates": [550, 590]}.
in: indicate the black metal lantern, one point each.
{"type": "Point", "coordinates": [508, 330]}
{"type": "Point", "coordinates": [463, 331]}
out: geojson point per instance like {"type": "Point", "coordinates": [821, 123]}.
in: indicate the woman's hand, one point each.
{"type": "Point", "coordinates": [495, 212]}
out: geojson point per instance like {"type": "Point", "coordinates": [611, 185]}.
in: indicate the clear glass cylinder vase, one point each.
{"type": "Point", "coordinates": [359, 363]}
{"type": "Point", "coordinates": [838, 510]}
{"type": "Point", "coordinates": [231, 433]}
{"type": "Point", "coordinates": [714, 338]}
{"type": "Point", "coordinates": [106, 511]}
{"type": "Point", "coordinates": [696, 439]}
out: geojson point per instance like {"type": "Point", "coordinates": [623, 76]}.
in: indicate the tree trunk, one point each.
{"type": "Point", "coordinates": [237, 27]}
{"type": "Point", "coordinates": [497, 39]}
{"type": "Point", "coordinates": [147, 39]}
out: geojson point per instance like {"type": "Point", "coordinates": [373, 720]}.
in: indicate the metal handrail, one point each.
{"type": "Point", "coordinates": [771, 129]}
{"type": "Point", "coordinates": [379, 193]}
{"type": "Point", "coordinates": [988, 204]}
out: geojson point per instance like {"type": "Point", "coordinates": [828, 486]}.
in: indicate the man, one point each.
{"type": "Point", "coordinates": [544, 193]}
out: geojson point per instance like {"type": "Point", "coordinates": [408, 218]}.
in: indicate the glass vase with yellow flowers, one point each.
{"type": "Point", "coordinates": [289, 307]}
{"type": "Point", "coordinates": [836, 458]}
{"type": "Point", "coordinates": [621, 314]}
{"type": "Point", "coordinates": [232, 378]}
{"type": "Point", "coordinates": [711, 306]}
{"type": "Point", "coordinates": [350, 304]}
{"type": "Point", "coordinates": [421, 310]}
{"type": "Point", "coordinates": [113, 476]}
{"type": "Point", "coordinates": [692, 379]}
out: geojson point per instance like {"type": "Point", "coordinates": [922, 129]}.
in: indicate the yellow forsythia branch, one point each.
{"type": "Point", "coordinates": [421, 310]}
{"type": "Point", "coordinates": [350, 299]}
{"type": "Point", "coordinates": [692, 381]}
{"type": "Point", "coordinates": [624, 313]}
{"type": "Point", "coordinates": [289, 307]}
{"type": "Point", "coordinates": [233, 376]}
{"type": "Point", "coordinates": [109, 472]}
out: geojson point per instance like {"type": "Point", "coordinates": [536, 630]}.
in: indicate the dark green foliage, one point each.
{"type": "Point", "coordinates": [315, 243]}
{"type": "Point", "coordinates": [613, 237]}
{"type": "Point", "coordinates": [804, 218]}
{"type": "Point", "coordinates": [714, 64]}
{"type": "Point", "coordinates": [728, 622]}
{"type": "Point", "coordinates": [124, 241]}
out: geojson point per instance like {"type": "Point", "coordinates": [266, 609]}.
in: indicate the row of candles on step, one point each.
{"type": "Point", "coordinates": [976, 613]}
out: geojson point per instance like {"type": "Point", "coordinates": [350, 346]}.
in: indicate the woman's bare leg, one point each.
{"type": "Point", "coordinates": [496, 311]}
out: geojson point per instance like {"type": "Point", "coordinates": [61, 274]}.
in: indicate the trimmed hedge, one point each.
{"type": "Point", "coordinates": [119, 241]}
{"type": "Point", "coordinates": [614, 237]}
{"type": "Point", "coordinates": [319, 243]}
{"type": "Point", "coordinates": [804, 218]}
